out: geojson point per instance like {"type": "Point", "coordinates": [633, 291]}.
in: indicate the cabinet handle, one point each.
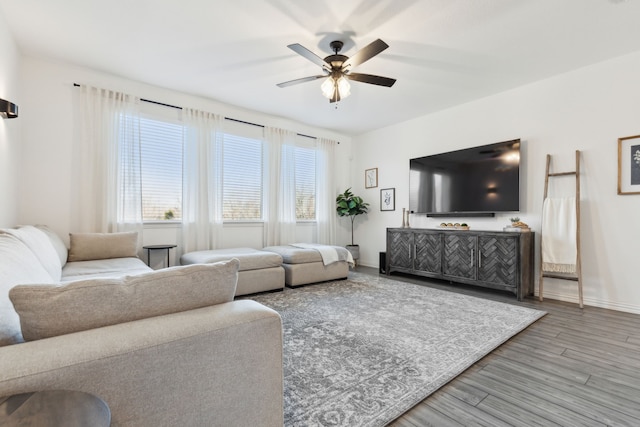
{"type": "Point", "coordinates": [410, 256]}
{"type": "Point", "coordinates": [415, 250]}
{"type": "Point", "coordinates": [471, 260]}
{"type": "Point", "coordinates": [479, 258]}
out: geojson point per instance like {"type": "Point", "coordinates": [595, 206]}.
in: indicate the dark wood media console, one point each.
{"type": "Point", "coordinates": [491, 259]}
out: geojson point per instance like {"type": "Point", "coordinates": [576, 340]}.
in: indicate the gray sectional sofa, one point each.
{"type": "Point", "coordinates": [161, 348]}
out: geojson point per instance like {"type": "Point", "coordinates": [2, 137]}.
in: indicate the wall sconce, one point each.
{"type": "Point", "coordinates": [492, 190]}
{"type": "Point", "coordinates": [8, 110]}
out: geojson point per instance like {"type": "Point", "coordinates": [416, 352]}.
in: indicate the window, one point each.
{"type": "Point", "coordinates": [242, 178]}
{"type": "Point", "coordinates": [305, 176]}
{"type": "Point", "coordinates": [160, 161]}
{"type": "Point", "coordinates": [161, 169]}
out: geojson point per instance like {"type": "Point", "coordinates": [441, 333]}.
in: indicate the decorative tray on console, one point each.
{"type": "Point", "coordinates": [516, 229]}
{"type": "Point", "coordinates": [517, 226]}
{"type": "Point", "coordinates": [456, 226]}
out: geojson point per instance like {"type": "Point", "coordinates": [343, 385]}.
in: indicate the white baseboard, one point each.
{"type": "Point", "coordinates": [367, 265]}
{"type": "Point", "coordinates": [611, 305]}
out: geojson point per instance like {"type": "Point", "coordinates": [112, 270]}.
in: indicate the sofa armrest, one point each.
{"type": "Point", "coordinates": [218, 365]}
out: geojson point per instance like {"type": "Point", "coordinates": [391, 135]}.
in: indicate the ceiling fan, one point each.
{"type": "Point", "coordinates": [337, 69]}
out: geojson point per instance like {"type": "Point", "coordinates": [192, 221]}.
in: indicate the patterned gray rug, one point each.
{"type": "Point", "coordinates": [363, 351]}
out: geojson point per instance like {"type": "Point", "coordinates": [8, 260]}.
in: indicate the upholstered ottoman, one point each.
{"type": "Point", "coordinates": [259, 271]}
{"type": "Point", "coordinates": [305, 265]}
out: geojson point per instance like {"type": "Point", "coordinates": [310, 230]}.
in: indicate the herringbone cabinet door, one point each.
{"type": "Point", "coordinates": [498, 261]}
{"type": "Point", "coordinates": [399, 249]}
{"type": "Point", "coordinates": [459, 255]}
{"type": "Point", "coordinates": [428, 257]}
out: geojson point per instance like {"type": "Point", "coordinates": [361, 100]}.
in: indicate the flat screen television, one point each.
{"type": "Point", "coordinates": [478, 181]}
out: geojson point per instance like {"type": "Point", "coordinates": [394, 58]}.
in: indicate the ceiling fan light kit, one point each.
{"type": "Point", "coordinates": [337, 69]}
{"type": "Point", "coordinates": [332, 88]}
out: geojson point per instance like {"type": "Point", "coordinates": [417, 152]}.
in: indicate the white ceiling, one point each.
{"type": "Point", "coordinates": [442, 52]}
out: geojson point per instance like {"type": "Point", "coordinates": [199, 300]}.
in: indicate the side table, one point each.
{"type": "Point", "coordinates": [54, 408]}
{"type": "Point", "coordinates": [150, 248]}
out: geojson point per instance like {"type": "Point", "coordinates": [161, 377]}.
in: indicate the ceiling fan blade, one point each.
{"type": "Point", "coordinates": [368, 78]}
{"type": "Point", "coordinates": [365, 54]}
{"type": "Point", "coordinates": [303, 51]}
{"type": "Point", "coordinates": [302, 80]}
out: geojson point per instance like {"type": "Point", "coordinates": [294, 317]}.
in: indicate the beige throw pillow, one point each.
{"type": "Point", "coordinates": [50, 310]}
{"type": "Point", "coordinates": [90, 246]}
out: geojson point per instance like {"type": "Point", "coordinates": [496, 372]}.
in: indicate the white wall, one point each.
{"type": "Point", "coordinates": [9, 129]}
{"type": "Point", "coordinates": [587, 110]}
{"type": "Point", "coordinates": [46, 166]}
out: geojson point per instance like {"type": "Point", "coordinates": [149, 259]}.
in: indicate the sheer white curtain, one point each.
{"type": "Point", "coordinates": [279, 187]}
{"type": "Point", "coordinates": [326, 191]}
{"type": "Point", "coordinates": [202, 220]}
{"type": "Point", "coordinates": [106, 182]}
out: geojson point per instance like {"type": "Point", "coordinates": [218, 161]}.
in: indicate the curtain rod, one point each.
{"type": "Point", "coordinates": [149, 101]}
{"type": "Point", "coordinates": [226, 118]}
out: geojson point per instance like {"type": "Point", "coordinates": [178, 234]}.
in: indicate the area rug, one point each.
{"type": "Point", "coordinates": [362, 351]}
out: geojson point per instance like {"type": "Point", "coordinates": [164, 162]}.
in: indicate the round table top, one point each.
{"type": "Point", "coordinates": [53, 408]}
{"type": "Point", "coordinates": [159, 246]}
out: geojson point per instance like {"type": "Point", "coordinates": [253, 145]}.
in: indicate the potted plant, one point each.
{"type": "Point", "coordinates": [348, 204]}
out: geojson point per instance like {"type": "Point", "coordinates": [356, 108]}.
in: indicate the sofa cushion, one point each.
{"type": "Point", "coordinates": [306, 253]}
{"type": "Point", "coordinates": [47, 311]}
{"type": "Point", "coordinates": [57, 243]}
{"type": "Point", "coordinates": [103, 268]}
{"type": "Point", "coordinates": [293, 255]}
{"type": "Point", "coordinates": [18, 265]}
{"type": "Point", "coordinates": [87, 246]}
{"type": "Point", "coordinates": [40, 244]}
{"type": "Point", "coordinates": [250, 259]}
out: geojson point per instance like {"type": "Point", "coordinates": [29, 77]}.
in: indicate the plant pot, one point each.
{"type": "Point", "coordinates": [355, 251]}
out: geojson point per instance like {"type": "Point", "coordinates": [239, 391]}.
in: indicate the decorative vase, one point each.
{"type": "Point", "coordinates": [403, 223]}
{"type": "Point", "coordinates": [408, 226]}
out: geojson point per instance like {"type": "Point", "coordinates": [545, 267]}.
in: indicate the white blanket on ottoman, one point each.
{"type": "Point", "coordinates": [328, 253]}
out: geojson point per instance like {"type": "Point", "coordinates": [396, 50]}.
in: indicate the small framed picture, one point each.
{"type": "Point", "coordinates": [371, 178]}
{"type": "Point", "coordinates": [629, 165]}
{"type": "Point", "coordinates": [388, 199]}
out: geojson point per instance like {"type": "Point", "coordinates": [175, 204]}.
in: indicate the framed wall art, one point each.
{"type": "Point", "coordinates": [388, 199]}
{"type": "Point", "coordinates": [629, 165]}
{"type": "Point", "coordinates": [371, 178]}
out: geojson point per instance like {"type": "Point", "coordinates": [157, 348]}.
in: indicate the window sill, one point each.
{"type": "Point", "coordinates": [162, 224]}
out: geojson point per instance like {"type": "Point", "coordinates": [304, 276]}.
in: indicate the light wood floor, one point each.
{"type": "Point", "coordinates": [573, 367]}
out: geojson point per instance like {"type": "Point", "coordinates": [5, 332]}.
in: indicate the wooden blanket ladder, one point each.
{"type": "Point", "coordinates": [574, 277]}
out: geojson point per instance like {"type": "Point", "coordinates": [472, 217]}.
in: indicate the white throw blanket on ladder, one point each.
{"type": "Point", "coordinates": [559, 226]}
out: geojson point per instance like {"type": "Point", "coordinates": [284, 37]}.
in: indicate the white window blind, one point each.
{"type": "Point", "coordinates": [305, 176]}
{"type": "Point", "coordinates": [161, 166]}
{"type": "Point", "coordinates": [242, 178]}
